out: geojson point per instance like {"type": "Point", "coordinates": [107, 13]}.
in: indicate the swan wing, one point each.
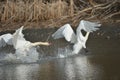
{"type": "Point", "coordinates": [5, 39]}
{"type": "Point", "coordinates": [18, 39]}
{"type": "Point", "coordinates": [65, 31]}
{"type": "Point", "coordinates": [88, 26]}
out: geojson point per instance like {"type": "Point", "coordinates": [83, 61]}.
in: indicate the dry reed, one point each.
{"type": "Point", "coordinates": [34, 11]}
{"type": "Point", "coordinates": [56, 11]}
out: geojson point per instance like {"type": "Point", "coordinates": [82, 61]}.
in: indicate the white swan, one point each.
{"type": "Point", "coordinates": [18, 40]}
{"type": "Point", "coordinates": [24, 50]}
{"type": "Point", "coordinates": [78, 39]}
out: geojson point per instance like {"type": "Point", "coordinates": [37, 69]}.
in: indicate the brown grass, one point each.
{"type": "Point", "coordinates": [35, 11]}
{"type": "Point", "coordinates": [56, 12]}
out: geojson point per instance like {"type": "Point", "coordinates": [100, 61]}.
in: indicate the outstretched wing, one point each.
{"type": "Point", "coordinates": [5, 39]}
{"type": "Point", "coordinates": [18, 39]}
{"type": "Point", "coordinates": [88, 26]}
{"type": "Point", "coordinates": [67, 32]}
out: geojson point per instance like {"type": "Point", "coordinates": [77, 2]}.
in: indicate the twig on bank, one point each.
{"type": "Point", "coordinates": [111, 15]}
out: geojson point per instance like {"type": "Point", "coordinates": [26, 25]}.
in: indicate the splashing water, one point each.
{"type": "Point", "coordinates": [28, 55]}
{"type": "Point", "coordinates": [64, 52]}
{"type": "Point", "coordinates": [31, 55]}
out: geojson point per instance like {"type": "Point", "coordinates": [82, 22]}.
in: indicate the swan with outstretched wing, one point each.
{"type": "Point", "coordinates": [24, 50]}
{"type": "Point", "coordinates": [17, 40]}
{"type": "Point", "coordinates": [78, 39]}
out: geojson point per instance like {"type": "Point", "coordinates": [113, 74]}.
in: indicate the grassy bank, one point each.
{"type": "Point", "coordinates": [56, 12]}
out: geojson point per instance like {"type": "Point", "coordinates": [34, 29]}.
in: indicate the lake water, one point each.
{"type": "Point", "coordinates": [99, 62]}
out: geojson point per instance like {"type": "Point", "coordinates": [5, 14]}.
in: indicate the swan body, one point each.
{"type": "Point", "coordinates": [77, 39]}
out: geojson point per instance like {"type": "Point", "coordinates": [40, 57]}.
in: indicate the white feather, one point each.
{"type": "Point", "coordinates": [67, 32]}
{"type": "Point", "coordinates": [5, 39]}
{"type": "Point", "coordinates": [18, 39]}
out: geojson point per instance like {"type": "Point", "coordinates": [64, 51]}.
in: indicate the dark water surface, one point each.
{"type": "Point", "coordinates": [101, 62]}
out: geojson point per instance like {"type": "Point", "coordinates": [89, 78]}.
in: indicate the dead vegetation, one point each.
{"type": "Point", "coordinates": [57, 12]}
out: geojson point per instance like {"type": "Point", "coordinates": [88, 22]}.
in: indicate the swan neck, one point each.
{"type": "Point", "coordinates": [87, 34]}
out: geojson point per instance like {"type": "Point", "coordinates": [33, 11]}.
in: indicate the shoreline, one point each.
{"type": "Point", "coordinates": [45, 24]}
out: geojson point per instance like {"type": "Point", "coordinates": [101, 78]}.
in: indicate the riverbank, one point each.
{"type": "Point", "coordinates": [51, 13]}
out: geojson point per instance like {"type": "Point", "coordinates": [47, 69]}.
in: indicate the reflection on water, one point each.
{"type": "Point", "coordinates": [26, 72]}
{"type": "Point", "coordinates": [80, 68]}
{"type": "Point", "coordinates": [18, 72]}
{"type": "Point", "coordinates": [62, 69]}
